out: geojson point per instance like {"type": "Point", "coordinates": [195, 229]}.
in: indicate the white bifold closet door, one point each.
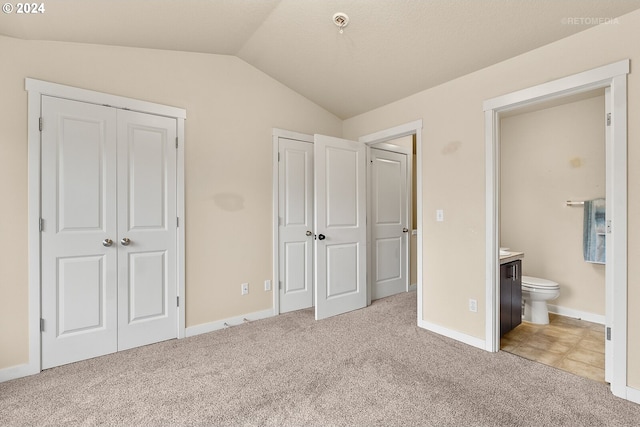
{"type": "Point", "coordinates": [295, 226]}
{"type": "Point", "coordinates": [340, 218]}
{"type": "Point", "coordinates": [109, 230]}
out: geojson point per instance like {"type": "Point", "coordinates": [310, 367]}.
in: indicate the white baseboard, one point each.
{"type": "Point", "coordinates": [450, 333]}
{"type": "Point", "coordinates": [18, 371]}
{"type": "Point", "coordinates": [577, 314]}
{"type": "Point", "coordinates": [633, 395]}
{"type": "Point", "coordinates": [231, 321]}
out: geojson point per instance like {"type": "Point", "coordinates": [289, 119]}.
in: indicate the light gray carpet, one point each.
{"type": "Point", "coordinates": [368, 367]}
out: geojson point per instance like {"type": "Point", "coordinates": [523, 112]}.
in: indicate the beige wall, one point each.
{"type": "Point", "coordinates": [546, 158]}
{"type": "Point", "coordinates": [453, 152]}
{"type": "Point", "coordinates": [231, 110]}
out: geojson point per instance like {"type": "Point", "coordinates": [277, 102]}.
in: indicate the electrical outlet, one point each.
{"type": "Point", "coordinates": [439, 215]}
{"type": "Point", "coordinates": [473, 305]}
{"type": "Point", "coordinates": [245, 288]}
{"type": "Point", "coordinates": [267, 285]}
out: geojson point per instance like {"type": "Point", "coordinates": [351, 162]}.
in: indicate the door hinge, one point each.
{"type": "Point", "coordinates": [608, 119]}
{"type": "Point", "coordinates": [177, 221]}
{"type": "Point", "coordinates": [41, 325]}
{"type": "Point", "coordinates": [177, 301]}
{"type": "Point", "coordinates": [279, 284]}
{"type": "Point", "coordinates": [40, 124]}
{"type": "Point", "coordinates": [176, 142]}
{"type": "Point", "coordinates": [41, 224]}
{"type": "Point", "coordinates": [608, 334]}
{"type": "Point", "coordinates": [278, 156]}
{"type": "Point", "coordinates": [609, 226]}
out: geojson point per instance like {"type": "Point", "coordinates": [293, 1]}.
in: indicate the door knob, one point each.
{"type": "Point", "coordinates": [321, 236]}
{"type": "Point", "coordinates": [107, 242]}
{"type": "Point", "coordinates": [309, 233]}
{"type": "Point", "coordinates": [125, 241]}
{"type": "Point", "coordinates": [405, 230]}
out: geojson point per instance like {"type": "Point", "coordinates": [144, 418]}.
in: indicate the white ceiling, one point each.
{"type": "Point", "coordinates": [389, 50]}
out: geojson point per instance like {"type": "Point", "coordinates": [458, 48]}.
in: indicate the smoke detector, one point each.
{"type": "Point", "coordinates": [341, 20]}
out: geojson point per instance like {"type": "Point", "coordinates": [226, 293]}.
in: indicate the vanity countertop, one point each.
{"type": "Point", "coordinates": [511, 256]}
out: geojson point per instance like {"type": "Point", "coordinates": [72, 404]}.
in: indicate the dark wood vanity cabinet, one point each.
{"type": "Point", "coordinates": [510, 296]}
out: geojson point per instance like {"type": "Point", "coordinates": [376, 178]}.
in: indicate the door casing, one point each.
{"type": "Point", "coordinates": [613, 77]}
{"type": "Point", "coordinates": [383, 136]}
{"type": "Point", "coordinates": [36, 89]}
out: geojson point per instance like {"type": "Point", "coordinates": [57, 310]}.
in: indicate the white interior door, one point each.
{"type": "Point", "coordinates": [389, 223]}
{"type": "Point", "coordinates": [79, 296]}
{"type": "Point", "coordinates": [295, 224]}
{"type": "Point", "coordinates": [109, 230]}
{"type": "Point", "coordinates": [340, 245]}
{"type": "Point", "coordinates": [147, 222]}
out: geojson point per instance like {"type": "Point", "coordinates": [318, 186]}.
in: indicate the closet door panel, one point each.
{"type": "Point", "coordinates": [146, 229]}
{"type": "Point", "coordinates": [79, 300]}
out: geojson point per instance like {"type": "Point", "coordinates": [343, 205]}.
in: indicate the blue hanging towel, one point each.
{"type": "Point", "coordinates": [594, 231]}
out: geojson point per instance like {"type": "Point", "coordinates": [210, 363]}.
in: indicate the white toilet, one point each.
{"type": "Point", "coordinates": [535, 294]}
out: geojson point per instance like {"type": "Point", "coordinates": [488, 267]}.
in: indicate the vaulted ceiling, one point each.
{"type": "Point", "coordinates": [389, 50]}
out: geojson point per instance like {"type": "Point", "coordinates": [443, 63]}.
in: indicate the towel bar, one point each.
{"type": "Point", "coordinates": [571, 203]}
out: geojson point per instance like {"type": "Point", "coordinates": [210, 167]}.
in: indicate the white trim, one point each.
{"type": "Point", "coordinates": [492, 215]}
{"type": "Point", "coordinates": [101, 98]}
{"type": "Point", "coordinates": [450, 333]}
{"type": "Point", "coordinates": [576, 83]}
{"type": "Point", "coordinates": [392, 133]}
{"type": "Point", "coordinates": [180, 211]}
{"type": "Point", "coordinates": [282, 133]}
{"type": "Point", "coordinates": [36, 89]}
{"type": "Point", "coordinates": [18, 371]}
{"type": "Point", "coordinates": [633, 395]}
{"type": "Point", "coordinates": [229, 322]}
{"type": "Point", "coordinates": [275, 140]}
{"type": "Point", "coordinates": [411, 128]}
{"type": "Point", "coordinates": [33, 230]}
{"type": "Point", "coordinates": [577, 314]}
{"type": "Point", "coordinates": [613, 76]}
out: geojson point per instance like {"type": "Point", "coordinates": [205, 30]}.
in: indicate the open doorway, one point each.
{"type": "Point", "coordinates": [611, 78]}
{"type": "Point", "coordinates": [552, 162]}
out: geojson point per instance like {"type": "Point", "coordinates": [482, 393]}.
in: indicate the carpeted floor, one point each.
{"type": "Point", "coordinates": [369, 367]}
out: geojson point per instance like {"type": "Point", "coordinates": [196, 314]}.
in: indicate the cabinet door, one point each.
{"type": "Point", "coordinates": [516, 294]}
{"type": "Point", "coordinates": [505, 298]}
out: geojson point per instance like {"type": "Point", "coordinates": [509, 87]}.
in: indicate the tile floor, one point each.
{"type": "Point", "coordinates": [573, 345]}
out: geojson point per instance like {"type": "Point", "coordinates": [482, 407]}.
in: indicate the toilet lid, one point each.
{"type": "Point", "coordinates": [536, 282]}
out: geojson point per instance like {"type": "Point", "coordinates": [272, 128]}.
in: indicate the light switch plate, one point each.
{"type": "Point", "coordinates": [439, 215]}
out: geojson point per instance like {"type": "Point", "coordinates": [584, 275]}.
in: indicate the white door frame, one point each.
{"type": "Point", "coordinates": [613, 76]}
{"type": "Point", "coordinates": [36, 89]}
{"type": "Point", "coordinates": [276, 135]}
{"type": "Point", "coordinates": [412, 128]}
{"type": "Point", "coordinates": [370, 262]}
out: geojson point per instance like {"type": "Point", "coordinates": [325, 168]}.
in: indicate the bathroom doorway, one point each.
{"type": "Point", "coordinates": [552, 160]}
{"type": "Point", "coordinates": [611, 78]}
